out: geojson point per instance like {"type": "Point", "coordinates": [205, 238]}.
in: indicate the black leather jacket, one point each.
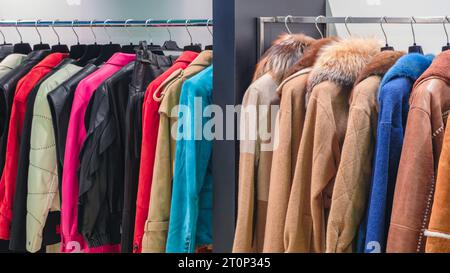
{"type": "Point", "coordinates": [148, 66]}
{"type": "Point", "coordinates": [101, 176]}
{"type": "Point", "coordinates": [8, 85]}
{"type": "Point", "coordinates": [60, 101]}
{"type": "Point", "coordinates": [51, 236]}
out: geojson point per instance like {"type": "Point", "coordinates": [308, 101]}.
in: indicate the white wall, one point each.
{"type": "Point", "coordinates": [107, 9]}
{"type": "Point", "coordinates": [430, 37]}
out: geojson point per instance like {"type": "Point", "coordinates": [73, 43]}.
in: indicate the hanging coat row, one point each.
{"type": "Point", "coordinates": [71, 142]}
{"type": "Point", "coordinates": [356, 150]}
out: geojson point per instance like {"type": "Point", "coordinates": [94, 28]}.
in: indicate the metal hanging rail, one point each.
{"type": "Point", "coordinates": [108, 23]}
{"type": "Point", "coordinates": [339, 20]}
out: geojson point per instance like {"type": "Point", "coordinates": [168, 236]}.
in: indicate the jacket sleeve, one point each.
{"type": "Point", "coordinates": [43, 193]}
{"type": "Point", "coordinates": [438, 232]}
{"type": "Point", "coordinates": [248, 162]}
{"type": "Point", "coordinates": [348, 206]}
{"type": "Point", "coordinates": [157, 224]}
{"type": "Point", "coordinates": [298, 232]}
{"type": "Point", "coordinates": [414, 182]}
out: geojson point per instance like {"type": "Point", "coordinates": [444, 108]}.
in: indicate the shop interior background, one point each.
{"type": "Point", "coordinates": [107, 9]}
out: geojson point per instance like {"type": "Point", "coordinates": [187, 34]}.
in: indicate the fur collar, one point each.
{"type": "Point", "coordinates": [440, 67]}
{"type": "Point", "coordinates": [309, 57]}
{"type": "Point", "coordinates": [342, 61]}
{"type": "Point", "coordinates": [282, 55]}
{"type": "Point", "coordinates": [409, 66]}
{"type": "Point", "coordinates": [379, 64]}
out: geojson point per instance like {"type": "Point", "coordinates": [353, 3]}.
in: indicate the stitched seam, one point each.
{"type": "Point", "coordinates": [43, 148]}
{"type": "Point", "coordinates": [37, 167]}
{"type": "Point", "coordinates": [43, 117]}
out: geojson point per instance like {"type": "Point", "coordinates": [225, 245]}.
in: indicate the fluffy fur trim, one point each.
{"type": "Point", "coordinates": [440, 67]}
{"type": "Point", "coordinates": [379, 64]}
{"type": "Point", "coordinates": [282, 55]}
{"type": "Point", "coordinates": [409, 66]}
{"type": "Point", "coordinates": [310, 55]}
{"type": "Point", "coordinates": [342, 61]}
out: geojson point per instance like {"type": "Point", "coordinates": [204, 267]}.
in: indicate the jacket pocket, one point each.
{"type": "Point", "coordinates": [155, 237]}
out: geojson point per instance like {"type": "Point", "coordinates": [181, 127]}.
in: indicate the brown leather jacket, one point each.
{"type": "Point", "coordinates": [429, 106]}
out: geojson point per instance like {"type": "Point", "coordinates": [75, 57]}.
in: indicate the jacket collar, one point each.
{"type": "Point", "coordinates": [285, 51]}
{"type": "Point", "coordinates": [187, 57]}
{"type": "Point", "coordinates": [342, 61]}
{"type": "Point", "coordinates": [304, 71]}
{"type": "Point", "coordinates": [12, 60]}
{"type": "Point", "coordinates": [38, 54]}
{"type": "Point", "coordinates": [409, 66]}
{"type": "Point", "coordinates": [51, 60]}
{"type": "Point", "coordinates": [440, 67]}
{"type": "Point", "coordinates": [310, 56]}
{"type": "Point", "coordinates": [379, 64]}
{"type": "Point", "coordinates": [121, 59]}
{"type": "Point", "coordinates": [203, 59]}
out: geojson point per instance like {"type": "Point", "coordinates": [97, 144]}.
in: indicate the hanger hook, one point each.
{"type": "Point", "coordinates": [444, 21]}
{"type": "Point", "coordinates": [168, 29]}
{"type": "Point", "coordinates": [346, 27]}
{"type": "Point", "coordinates": [413, 20]}
{"type": "Point", "coordinates": [73, 29]}
{"type": "Point", "coordinates": [53, 28]}
{"type": "Point", "coordinates": [208, 28]}
{"type": "Point", "coordinates": [382, 28]}
{"type": "Point", "coordinates": [37, 30]}
{"type": "Point", "coordinates": [286, 23]}
{"type": "Point", "coordinates": [126, 29]}
{"type": "Point", "coordinates": [17, 29]}
{"type": "Point", "coordinates": [3, 35]}
{"type": "Point", "coordinates": [317, 26]}
{"type": "Point", "coordinates": [106, 30]}
{"type": "Point", "coordinates": [187, 29]}
{"type": "Point", "coordinates": [148, 21]}
{"type": "Point", "coordinates": [92, 30]}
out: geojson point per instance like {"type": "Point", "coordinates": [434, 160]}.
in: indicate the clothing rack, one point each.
{"type": "Point", "coordinates": [339, 20]}
{"type": "Point", "coordinates": [108, 23]}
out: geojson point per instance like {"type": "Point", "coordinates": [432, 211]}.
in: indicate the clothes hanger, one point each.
{"type": "Point", "coordinates": [414, 48]}
{"type": "Point", "coordinates": [92, 50]}
{"type": "Point", "coordinates": [286, 24]}
{"type": "Point", "coordinates": [209, 47]}
{"type": "Point", "coordinates": [39, 46]}
{"type": "Point", "coordinates": [192, 46]}
{"type": "Point", "coordinates": [61, 48]}
{"type": "Point", "coordinates": [386, 46]}
{"type": "Point", "coordinates": [78, 50]}
{"type": "Point", "coordinates": [346, 27]}
{"type": "Point", "coordinates": [447, 46]}
{"type": "Point", "coordinates": [156, 49]}
{"type": "Point", "coordinates": [107, 50]}
{"type": "Point", "coordinates": [317, 26]}
{"type": "Point", "coordinates": [128, 48]}
{"type": "Point", "coordinates": [170, 45]}
{"type": "Point", "coordinates": [22, 48]}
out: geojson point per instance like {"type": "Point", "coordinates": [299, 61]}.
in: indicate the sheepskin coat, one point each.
{"type": "Point", "coordinates": [256, 141]}
{"type": "Point", "coordinates": [329, 88]}
{"type": "Point", "coordinates": [288, 132]}
{"type": "Point", "coordinates": [429, 106]}
{"type": "Point", "coordinates": [352, 183]}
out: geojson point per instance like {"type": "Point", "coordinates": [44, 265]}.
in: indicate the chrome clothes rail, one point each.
{"type": "Point", "coordinates": [107, 23]}
{"type": "Point", "coordinates": [339, 20]}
